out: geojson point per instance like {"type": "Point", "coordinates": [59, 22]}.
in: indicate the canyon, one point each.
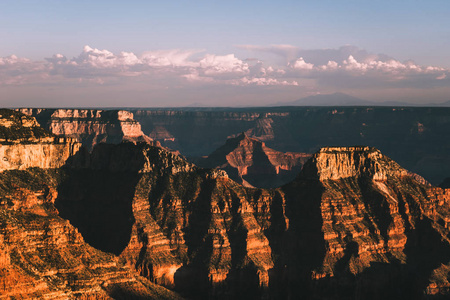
{"type": "Point", "coordinates": [131, 219]}
{"type": "Point", "coordinates": [90, 126]}
{"type": "Point", "coordinates": [41, 254]}
{"type": "Point", "coordinates": [418, 138]}
{"type": "Point", "coordinates": [251, 163]}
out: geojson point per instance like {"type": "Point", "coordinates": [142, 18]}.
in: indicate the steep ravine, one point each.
{"type": "Point", "coordinates": [351, 222]}
{"type": "Point", "coordinates": [249, 162]}
{"type": "Point", "coordinates": [189, 229]}
{"type": "Point", "coordinates": [352, 225]}
{"type": "Point", "coordinates": [43, 256]}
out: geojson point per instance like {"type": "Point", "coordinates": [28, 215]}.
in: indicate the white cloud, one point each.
{"type": "Point", "coordinates": [288, 52]}
{"type": "Point", "coordinates": [220, 64]}
{"type": "Point", "coordinates": [264, 81]}
{"type": "Point", "coordinates": [344, 67]}
{"type": "Point", "coordinates": [175, 58]}
{"type": "Point", "coordinates": [12, 60]}
{"type": "Point", "coordinates": [300, 64]}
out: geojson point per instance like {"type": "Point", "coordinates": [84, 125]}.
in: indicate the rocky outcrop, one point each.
{"type": "Point", "coordinates": [248, 161]}
{"type": "Point", "coordinates": [352, 225]}
{"type": "Point", "coordinates": [357, 223]}
{"type": "Point", "coordinates": [185, 228]}
{"type": "Point", "coordinates": [42, 256]}
{"type": "Point", "coordinates": [262, 130]}
{"type": "Point", "coordinates": [403, 133]}
{"type": "Point", "coordinates": [24, 144]}
{"type": "Point", "coordinates": [90, 126]}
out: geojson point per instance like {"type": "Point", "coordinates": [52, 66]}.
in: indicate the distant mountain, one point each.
{"type": "Point", "coordinates": [336, 99]}
{"type": "Point", "coordinates": [197, 104]}
{"type": "Point", "coordinates": [341, 99]}
{"type": "Point", "coordinates": [443, 104]}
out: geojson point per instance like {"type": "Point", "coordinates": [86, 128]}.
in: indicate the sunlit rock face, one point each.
{"type": "Point", "coordinates": [351, 218]}
{"type": "Point", "coordinates": [359, 222]}
{"type": "Point", "coordinates": [24, 144]}
{"type": "Point", "coordinates": [248, 161]}
{"type": "Point", "coordinates": [189, 229]}
{"type": "Point", "coordinates": [90, 126]}
{"type": "Point", "coordinates": [43, 256]}
{"type": "Point", "coordinates": [352, 225]}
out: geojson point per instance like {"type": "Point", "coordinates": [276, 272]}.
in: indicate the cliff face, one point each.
{"type": "Point", "coordinates": [248, 161]}
{"type": "Point", "coordinates": [89, 126]}
{"type": "Point", "coordinates": [41, 254]}
{"type": "Point", "coordinates": [44, 256]}
{"type": "Point", "coordinates": [24, 144]}
{"type": "Point", "coordinates": [351, 223]}
{"type": "Point", "coordinates": [363, 227]}
{"type": "Point", "coordinates": [402, 133]}
{"type": "Point", "coordinates": [185, 228]}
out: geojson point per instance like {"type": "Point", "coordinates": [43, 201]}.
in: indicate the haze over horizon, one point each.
{"type": "Point", "coordinates": [146, 54]}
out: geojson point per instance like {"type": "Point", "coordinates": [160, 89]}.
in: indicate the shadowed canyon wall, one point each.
{"type": "Point", "coordinates": [249, 162]}
{"type": "Point", "coordinates": [352, 225]}
{"type": "Point", "coordinates": [349, 225]}
{"type": "Point", "coordinates": [418, 138]}
{"type": "Point", "coordinates": [43, 256]}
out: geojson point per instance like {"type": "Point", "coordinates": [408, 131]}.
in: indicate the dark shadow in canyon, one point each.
{"type": "Point", "coordinates": [301, 249]}
{"type": "Point", "coordinates": [98, 202]}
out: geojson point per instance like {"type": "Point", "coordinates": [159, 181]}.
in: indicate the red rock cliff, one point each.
{"type": "Point", "coordinates": [248, 161]}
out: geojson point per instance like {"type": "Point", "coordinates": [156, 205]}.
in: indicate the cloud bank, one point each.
{"type": "Point", "coordinates": [345, 68]}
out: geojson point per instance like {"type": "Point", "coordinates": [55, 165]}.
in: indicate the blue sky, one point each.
{"type": "Point", "coordinates": [390, 30]}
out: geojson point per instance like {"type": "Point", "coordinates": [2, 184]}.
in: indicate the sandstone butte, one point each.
{"type": "Point", "coordinates": [130, 219]}
{"type": "Point", "coordinates": [251, 163]}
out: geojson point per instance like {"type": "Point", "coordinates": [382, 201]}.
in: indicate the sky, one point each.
{"type": "Point", "coordinates": [64, 53]}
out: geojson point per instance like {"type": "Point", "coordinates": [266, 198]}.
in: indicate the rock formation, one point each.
{"type": "Point", "coordinates": [349, 225]}
{"type": "Point", "coordinates": [24, 144]}
{"type": "Point", "coordinates": [416, 137]}
{"type": "Point", "coordinates": [377, 232]}
{"type": "Point", "coordinates": [90, 126]}
{"type": "Point", "coordinates": [352, 225]}
{"type": "Point", "coordinates": [262, 130]}
{"type": "Point", "coordinates": [248, 161]}
{"type": "Point", "coordinates": [183, 227]}
{"type": "Point", "coordinates": [43, 256]}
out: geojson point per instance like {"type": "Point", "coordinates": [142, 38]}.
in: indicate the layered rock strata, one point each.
{"type": "Point", "coordinates": [185, 228]}
{"type": "Point", "coordinates": [352, 222]}
{"type": "Point", "coordinates": [24, 144]}
{"type": "Point", "coordinates": [43, 256]}
{"type": "Point", "coordinates": [90, 126]}
{"type": "Point", "coordinates": [352, 225]}
{"type": "Point", "coordinates": [362, 227]}
{"type": "Point", "coordinates": [248, 161]}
